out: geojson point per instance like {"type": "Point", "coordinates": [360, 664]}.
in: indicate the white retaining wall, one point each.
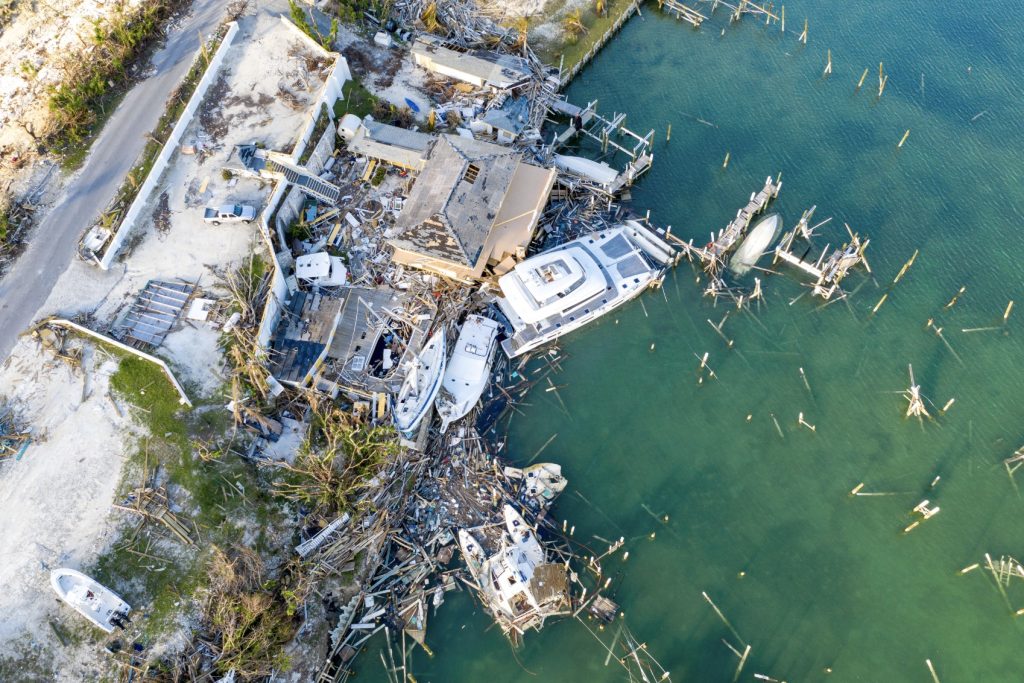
{"type": "Point", "coordinates": [160, 165]}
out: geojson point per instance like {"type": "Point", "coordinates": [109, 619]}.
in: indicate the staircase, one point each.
{"type": "Point", "coordinates": [279, 164]}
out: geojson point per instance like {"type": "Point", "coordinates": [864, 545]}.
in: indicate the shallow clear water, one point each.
{"type": "Point", "coordinates": [829, 579]}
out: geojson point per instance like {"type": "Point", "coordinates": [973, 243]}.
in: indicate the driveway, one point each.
{"type": "Point", "coordinates": [55, 240]}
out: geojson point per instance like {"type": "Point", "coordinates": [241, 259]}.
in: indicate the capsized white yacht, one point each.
{"type": "Point", "coordinates": [560, 290]}
{"type": "Point", "coordinates": [421, 384]}
{"type": "Point", "coordinates": [755, 245]}
{"type": "Point", "coordinates": [94, 601]}
{"type": "Point", "coordinates": [597, 171]}
{"type": "Point", "coordinates": [468, 370]}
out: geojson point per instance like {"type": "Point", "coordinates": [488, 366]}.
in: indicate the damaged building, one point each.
{"type": "Point", "coordinates": [475, 204]}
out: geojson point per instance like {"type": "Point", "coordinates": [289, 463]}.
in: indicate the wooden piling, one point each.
{"type": "Point", "coordinates": [952, 302]}
{"type": "Point", "coordinates": [783, 19]}
{"type": "Point", "coordinates": [1006, 313]}
{"type": "Point", "coordinates": [743, 660]}
{"type": "Point", "coordinates": [828, 66]}
{"type": "Point", "coordinates": [931, 669]}
{"type": "Point", "coordinates": [725, 164]}
{"type": "Point", "coordinates": [803, 36]}
{"type": "Point", "coordinates": [906, 267]}
{"type": "Point", "coordinates": [668, 133]}
{"type": "Point", "coordinates": [863, 76]}
{"type": "Point", "coordinates": [879, 304]}
{"type": "Point", "coordinates": [722, 617]}
{"type": "Point", "coordinates": [904, 139]}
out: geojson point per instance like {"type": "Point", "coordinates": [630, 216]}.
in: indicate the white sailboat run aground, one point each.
{"type": "Point", "coordinates": [421, 384]}
{"type": "Point", "coordinates": [94, 601]}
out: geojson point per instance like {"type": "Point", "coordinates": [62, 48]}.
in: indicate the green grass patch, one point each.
{"type": "Point", "coordinates": [145, 385]}
{"type": "Point", "coordinates": [223, 496]}
{"type": "Point", "coordinates": [572, 51]}
{"type": "Point", "coordinates": [356, 99]}
{"type": "Point", "coordinates": [93, 83]}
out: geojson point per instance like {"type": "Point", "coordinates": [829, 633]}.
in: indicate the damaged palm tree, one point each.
{"type": "Point", "coordinates": [247, 624]}
{"type": "Point", "coordinates": [249, 376]}
{"type": "Point", "coordinates": [339, 460]}
{"type": "Point", "coordinates": [913, 395]}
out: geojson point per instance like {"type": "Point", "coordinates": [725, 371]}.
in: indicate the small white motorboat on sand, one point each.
{"type": "Point", "coordinates": [94, 601]}
{"type": "Point", "coordinates": [421, 384]}
{"type": "Point", "coordinates": [468, 370]}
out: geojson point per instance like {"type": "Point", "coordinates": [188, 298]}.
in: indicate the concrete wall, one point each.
{"type": "Point", "coordinates": [290, 199]}
{"type": "Point", "coordinates": [131, 217]}
{"type": "Point", "coordinates": [324, 149]}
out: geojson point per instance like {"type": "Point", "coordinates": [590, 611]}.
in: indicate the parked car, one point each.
{"type": "Point", "coordinates": [229, 213]}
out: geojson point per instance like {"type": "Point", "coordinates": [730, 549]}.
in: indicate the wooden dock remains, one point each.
{"type": "Point", "coordinates": [713, 254]}
{"type": "Point", "coordinates": [608, 133]}
{"type": "Point", "coordinates": [687, 14]}
{"type": "Point", "coordinates": [829, 269]}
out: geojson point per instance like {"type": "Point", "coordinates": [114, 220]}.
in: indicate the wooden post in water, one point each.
{"type": "Point", "coordinates": [803, 36]}
{"type": "Point", "coordinates": [783, 19]}
{"type": "Point", "coordinates": [906, 267]}
{"type": "Point", "coordinates": [882, 80]}
{"type": "Point", "coordinates": [743, 660]}
{"type": "Point", "coordinates": [722, 617]}
{"type": "Point", "coordinates": [725, 164]}
{"type": "Point", "coordinates": [931, 669]}
{"type": "Point", "coordinates": [1006, 313]}
{"type": "Point", "coordinates": [828, 66]}
{"type": "Point", "coordinates": [952, 302]}
{"type": "Point", "coordinates": [860, 83]}
{"type": "Point", "coordinates": [903, 139]}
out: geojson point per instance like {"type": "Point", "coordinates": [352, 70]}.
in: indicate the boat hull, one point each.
{"type": "Point", "coordinates": [468, 370]}
{"type": "Point", "coordinates": [421, 385]}
{"type": "Point", "coordinates": [88, 597]}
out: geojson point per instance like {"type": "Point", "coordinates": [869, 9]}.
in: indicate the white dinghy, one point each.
{"type": "Point", "coordinates": [421, 384]}
{"type": "Point", "coordinates": [94, 601]}
{"type": "Point", "coordinates": [468, 369]}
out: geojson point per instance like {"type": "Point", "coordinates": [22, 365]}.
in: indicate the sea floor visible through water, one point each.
{"type": "Point", "coordinates": [823, 585]}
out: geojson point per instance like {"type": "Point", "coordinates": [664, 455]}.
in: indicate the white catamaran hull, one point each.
{"type": "Point", "coordinates": [576, 324]}
{"type": "Point", "coordinates": [421, 384]}
{"type": "Point", "coordinates": [94, 601]}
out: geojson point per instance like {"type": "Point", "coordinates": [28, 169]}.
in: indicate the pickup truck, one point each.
{"type": "Point", "coordinates": [229, 213]}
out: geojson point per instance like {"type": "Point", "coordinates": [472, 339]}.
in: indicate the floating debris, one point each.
{"type": "Point", "coordinates": [913, 396]}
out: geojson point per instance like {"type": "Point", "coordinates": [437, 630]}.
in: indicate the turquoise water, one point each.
{"type": "Point", "coordinates": [828, 580]}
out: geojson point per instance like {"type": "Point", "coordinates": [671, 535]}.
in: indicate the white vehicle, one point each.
{"type": "Point", "coordinates": [560, 290]}
{"type": "Point", "coordinates": [468, 370]}
{"type": "Point", "coordinates": [92, 600]}
{"type": "Point", "coordinates": [229, 213]}
{"type": "Point", "coordinates": [421, 384]}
